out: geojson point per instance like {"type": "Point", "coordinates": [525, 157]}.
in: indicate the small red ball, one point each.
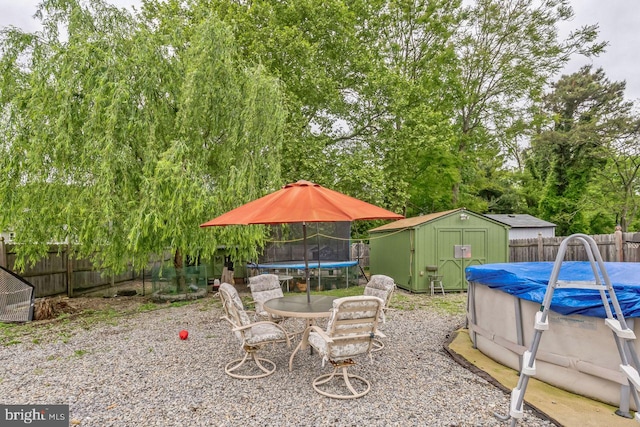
{"type": "Point", "coordinates": [184, 334]}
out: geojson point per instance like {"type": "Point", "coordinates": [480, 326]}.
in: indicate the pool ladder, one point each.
{"type": "Point", "coordinates": [622, 335]}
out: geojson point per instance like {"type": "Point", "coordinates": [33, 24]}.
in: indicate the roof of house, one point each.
{"type": "Point", "coordinates": [520, 220]}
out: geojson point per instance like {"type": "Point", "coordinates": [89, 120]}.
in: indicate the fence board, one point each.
{"type": "Point", "coordinates": [527, 250]}
{"type": "Point", "coordinates": [51, 274]}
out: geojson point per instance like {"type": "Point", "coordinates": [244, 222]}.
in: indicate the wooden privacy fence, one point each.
{"type": "Point", "coordinates": [616, 247]}
{"type": "Point", "coordinates": [58, 273]}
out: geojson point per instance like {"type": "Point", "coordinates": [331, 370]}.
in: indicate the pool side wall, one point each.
{"type": "Point", "coordinates": [577, 353]}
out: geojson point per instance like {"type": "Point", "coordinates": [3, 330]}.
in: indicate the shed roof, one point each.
{"type": "Point", "coordinates": [422, 219]}
{"type": "Point", "coordinates": [413, 221]}
{"type": "Point", "coordinates": [520, 220]}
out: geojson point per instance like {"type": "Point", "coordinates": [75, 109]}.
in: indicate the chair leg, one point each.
{"type": "Point", "coordinates": [346, 377]}
{"type": "Point", "coordinates": [250, 355]}
{"type": "Point", "coordinates": [376, 345]}
{"type": "Point", "coordinates": [295, 350]}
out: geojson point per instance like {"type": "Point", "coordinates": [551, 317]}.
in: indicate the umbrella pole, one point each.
{"type": "Point", "coordinates": [306, 261]}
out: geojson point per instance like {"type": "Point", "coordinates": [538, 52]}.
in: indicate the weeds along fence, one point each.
{"type": "Point", "coordinates": [58, 273]}
{"type": "Point", "coordinates": [616, 247]}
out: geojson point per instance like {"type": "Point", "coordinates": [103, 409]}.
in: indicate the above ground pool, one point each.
{"type": "Point", "coordinates": [529, 280]}
{"type": "Point", "coordinates": [578, 353]}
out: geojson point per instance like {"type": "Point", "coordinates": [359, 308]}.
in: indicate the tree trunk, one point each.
{"type": "Point", "coordinates": [455, 193]}
{"type": "Point", "coordinates": [178, 264]}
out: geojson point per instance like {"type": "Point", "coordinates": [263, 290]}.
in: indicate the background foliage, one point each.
{"type": "Point", "coordinates": [122, 132]}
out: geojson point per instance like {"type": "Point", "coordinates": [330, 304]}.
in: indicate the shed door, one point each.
{"type": "Point", "coordinates": [472, 243]}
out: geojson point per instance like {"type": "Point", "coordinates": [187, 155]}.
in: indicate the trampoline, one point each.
{"type": "Point", "coordinates": [296, 268]}
{"type": "Point", "coordinates": [578, 352]}
{"type": "Point", "coordinates": [300, 265]}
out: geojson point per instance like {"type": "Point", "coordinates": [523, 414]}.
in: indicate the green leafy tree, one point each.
{"type": "Point", "coordinates": [617, 187]}
{"type": "Point", "coordinates": [122, 133]}
{"type": "Point", "coordinates": [585, 112]}
{"type": "Point", "coordinates": [365, 81]}
{"type": "Point", "coordinates": [508, 50]}
{"type": "Point", "coordinates": [417, 50]}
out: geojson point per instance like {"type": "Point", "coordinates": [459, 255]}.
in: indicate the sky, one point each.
{"type": "Point", "coordinates": [619, 22]}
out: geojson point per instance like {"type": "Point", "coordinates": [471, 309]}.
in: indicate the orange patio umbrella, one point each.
{"type": "Point", "coordinates": [303, 202]}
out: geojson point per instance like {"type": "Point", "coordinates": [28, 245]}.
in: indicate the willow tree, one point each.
{"type": "Point", "coordinates": [121, 133]}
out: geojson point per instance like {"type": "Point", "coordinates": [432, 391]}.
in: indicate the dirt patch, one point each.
{"type": "Point", "coordinates": [124, 297]}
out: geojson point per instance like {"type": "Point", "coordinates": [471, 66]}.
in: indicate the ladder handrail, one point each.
{"type": "Point", "coordinates": [591, 248]}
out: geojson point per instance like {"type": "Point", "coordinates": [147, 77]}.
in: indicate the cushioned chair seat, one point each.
{"type": "Point", "coordinates": [264, 332]}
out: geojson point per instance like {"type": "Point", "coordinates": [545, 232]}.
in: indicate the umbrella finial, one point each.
{"type": "Point", "coordinates": [301, 183]}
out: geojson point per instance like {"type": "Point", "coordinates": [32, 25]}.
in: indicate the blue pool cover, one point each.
{"type": "Point", "coordinates": [529, 280]}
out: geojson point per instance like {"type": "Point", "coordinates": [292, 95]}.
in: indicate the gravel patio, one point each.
{"type": "Point", "coordinates": [132, 369]}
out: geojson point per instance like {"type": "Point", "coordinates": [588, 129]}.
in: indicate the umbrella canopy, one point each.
{"type": "Point", "coordinates": [304, 202]}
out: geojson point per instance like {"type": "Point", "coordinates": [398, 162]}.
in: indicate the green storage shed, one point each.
{"type": "Point", "coordinates": [442, 243]}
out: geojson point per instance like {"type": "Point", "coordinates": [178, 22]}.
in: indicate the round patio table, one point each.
{"type": "Point", "coordinates": [297, 306]}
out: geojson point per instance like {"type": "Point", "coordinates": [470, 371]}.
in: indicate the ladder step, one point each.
{"type": "Point", "coordinates": [513, 411]}
{"type": "Point", "coordinates": [615, 326]}
{"type": "Point", "coordinates": [579, 285]}
{"type": "Point", "coordinates": [540, 325]}
{"type": "Point", "coordinates": [526, 358]}
{"type": "Point", "coordinates": [632, 375]}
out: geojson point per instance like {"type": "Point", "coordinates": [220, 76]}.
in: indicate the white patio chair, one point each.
{"type": "Point", "coordinates": [350, 332]}
{"type": "Point", "coordinates": [263, 288]}
{"type": "Point", "coordinates": [380, 286]}
{"type": "Point", "coordinates": [252, 335]}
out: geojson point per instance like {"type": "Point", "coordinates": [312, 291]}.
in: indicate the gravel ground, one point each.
{"type": "Point", "coordinates": [133, 370]}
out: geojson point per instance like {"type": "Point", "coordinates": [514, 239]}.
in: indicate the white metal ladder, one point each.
{"type": "Point", "coordinates": [622, 335]}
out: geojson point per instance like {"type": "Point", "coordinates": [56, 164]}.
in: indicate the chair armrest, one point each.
{"type": "Point", "coordinates": [250, 325]}
{"type": "Point", "coordinates": [304, 340]}
{"type": "Point", "coordinates": [380, 334]}
{"type": "Point", "coordinates": [263, 322]}
{"type": "Point", "coordinates": [322, 334]}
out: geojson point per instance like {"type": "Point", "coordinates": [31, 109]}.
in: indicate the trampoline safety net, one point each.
{"type": "Point", "coordinates": [326, 241]}
{"type": "Point", "coordinates": [16, 298]}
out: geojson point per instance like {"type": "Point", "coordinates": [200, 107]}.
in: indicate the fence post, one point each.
{"type": "Point", "coordinates": [69, 272]}
{"type": "Point", "coordinates": [540, 248]}
{"type": "Point", "coordinates": [3, 253]}
{"type": "Point", "coordinates": [618, 241]}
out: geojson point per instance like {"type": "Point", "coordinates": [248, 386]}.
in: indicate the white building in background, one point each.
{"type": "Point", "coordinates": [8, 236]}
{"type": "Point", "coordinates": [525, 226]}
